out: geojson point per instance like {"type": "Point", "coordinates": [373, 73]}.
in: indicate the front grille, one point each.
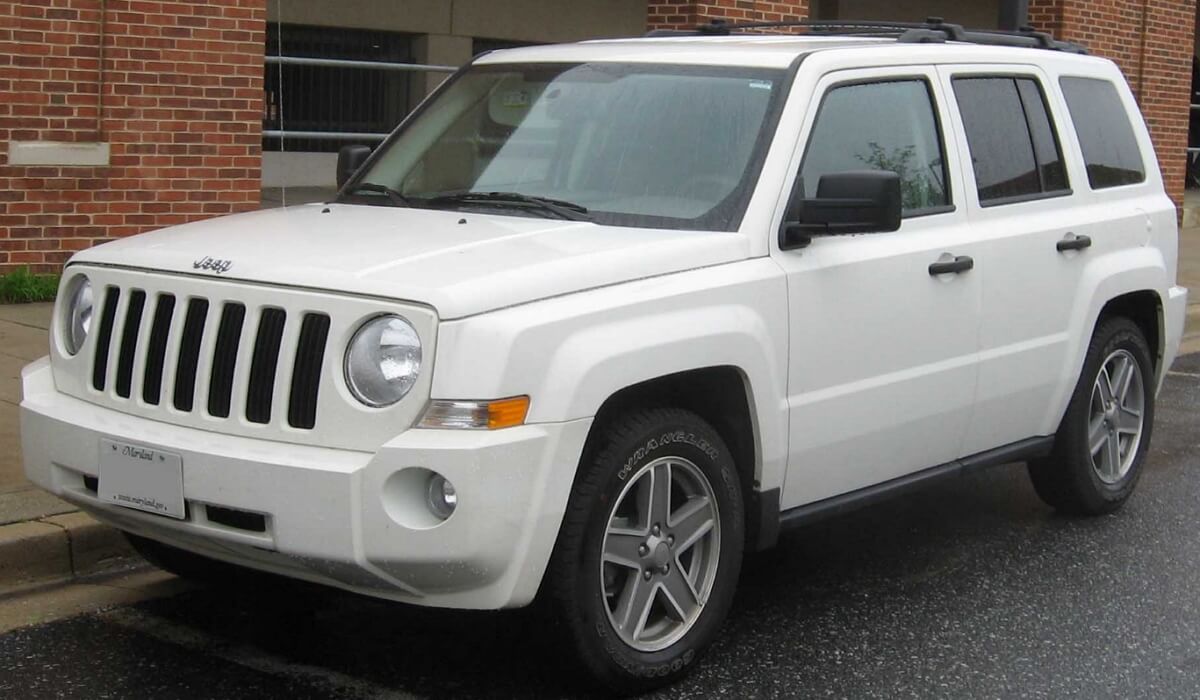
{"type": "Point", "coordinates": [160, 344]}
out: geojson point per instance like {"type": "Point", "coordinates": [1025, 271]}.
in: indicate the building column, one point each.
{"type": "Point", "coordinates": [438, 50]}
{"type": "Point", "coordinates": [686, 14]}
{"type": "Point", "coordinates": [1153, 42]}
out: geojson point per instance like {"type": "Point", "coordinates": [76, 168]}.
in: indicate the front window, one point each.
{"type": "Point", "coordinates": [625, 144]}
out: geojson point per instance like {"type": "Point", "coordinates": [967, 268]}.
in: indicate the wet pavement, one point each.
{"type": "Point", "coordinates": [972, 588]}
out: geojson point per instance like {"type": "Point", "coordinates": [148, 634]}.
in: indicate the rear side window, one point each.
{"type": "Point", "coordinates": [888, 125]}
{"type": "Point", "coordinates": [1110, 148]}
{"type": "Point", "coordinates": [1015, 149]}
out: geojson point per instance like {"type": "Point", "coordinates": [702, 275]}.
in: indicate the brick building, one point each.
{"type": "Point", "coordinates": [121, 116]}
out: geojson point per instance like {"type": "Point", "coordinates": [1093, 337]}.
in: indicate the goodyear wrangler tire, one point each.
{"type": "Point", "coordinates": [650, 549]}
{"type": "Point", "coordinates": [1102, 442]}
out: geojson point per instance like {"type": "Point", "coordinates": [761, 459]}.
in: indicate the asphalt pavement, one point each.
{"type": "Point", "coordinates": [972, 588]}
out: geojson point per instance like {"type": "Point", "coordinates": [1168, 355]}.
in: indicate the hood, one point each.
{"type": "Point", "coordinates": [460, 263]}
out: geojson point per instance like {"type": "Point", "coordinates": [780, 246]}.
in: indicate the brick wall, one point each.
{"type": "Point", "coordinates": [1161, 75]}
{"type": "Point", "coordinates": [180, 104]}
{"type": "Point", "coordinates": [685, 14]}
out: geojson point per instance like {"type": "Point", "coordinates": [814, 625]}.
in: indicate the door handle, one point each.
{"type": "Point", "coordinates": [952, 267]}
{"type": "Point", "coordinates": [1073, 242]}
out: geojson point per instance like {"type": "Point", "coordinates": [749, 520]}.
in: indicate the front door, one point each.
{"type": "Point", "coordinates": [882, 365]}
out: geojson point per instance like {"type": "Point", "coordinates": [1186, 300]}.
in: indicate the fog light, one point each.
{"type": "Point", "coordinates": [442, 497]}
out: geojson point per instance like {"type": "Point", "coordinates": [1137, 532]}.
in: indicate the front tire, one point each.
{"type": "Point", "coordinates": [1105, 435]}
{"type": "Point", "coordinates": [648, 558]}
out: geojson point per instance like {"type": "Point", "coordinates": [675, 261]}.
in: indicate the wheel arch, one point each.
{"type": "Point", "coordinates": [723, 396]}
{"type": "Point", "coordinates": [1145, 309]}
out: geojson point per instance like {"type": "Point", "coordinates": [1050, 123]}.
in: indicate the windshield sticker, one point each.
{"type": "Point", "coordinates": [516, 99]}
{"type": "Point", "coordinates": [761, 84]}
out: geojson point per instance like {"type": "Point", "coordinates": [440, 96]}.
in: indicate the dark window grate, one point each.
{"type": "Point", "coordinates": [335, 98]}
{"type": "Point", "coordinates": [129, 337]}
{"type": "Point", "coordinates": [189, 354]}
{"type": "Point", "coordinates": [229, 337]}
{"type": "Point", "coordinates": [104, 338]}
{"type": "Point", "coordinates": [306, 373]}
{"type": "Point", "coordinates": [156, 353]}
{"type": "Point", "coordinates": [263, 365]}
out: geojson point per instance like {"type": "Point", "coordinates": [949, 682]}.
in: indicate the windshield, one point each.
{"type": "Point", "coordinates": [627, 144]}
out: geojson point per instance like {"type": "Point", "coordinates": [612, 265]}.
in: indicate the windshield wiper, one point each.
{"type": "Point", "coordinates": [397, 198]}
{"type": "Point", "coordinates": [562, 209]}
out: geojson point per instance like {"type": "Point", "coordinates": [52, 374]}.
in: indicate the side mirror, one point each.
{"type": "Point", "coordinates": [861, 201]}
{"type": "Point", "coordinates": [350, 159]}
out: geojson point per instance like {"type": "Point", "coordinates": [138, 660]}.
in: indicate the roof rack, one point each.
{"type": "Point", "coordinates": [933, 30]}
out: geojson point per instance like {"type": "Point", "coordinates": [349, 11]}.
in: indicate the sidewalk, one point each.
{"type": "Point", "coordinates": [23, 330]}
{"type": "Point", "coordinates": [43, 539]}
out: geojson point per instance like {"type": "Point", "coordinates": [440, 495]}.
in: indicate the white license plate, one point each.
{"type": "Point", "coordinates": [143, 478]}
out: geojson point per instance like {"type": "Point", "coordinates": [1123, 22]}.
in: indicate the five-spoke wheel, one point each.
{"type": "Point", "coordinates": [1103, 438]}
{"type": "Point", "coordinates": [1115, 424]}
{"type": "Point", "coordinates": [661, 551]}
{"type": "Point", "coordinates": [650, 549]}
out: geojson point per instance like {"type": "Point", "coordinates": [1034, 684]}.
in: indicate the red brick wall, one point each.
{"type": "Point", "coordinates": [685, 14]}
{"type": "Point", "coordinates": [182, 110]}
{"type": "Point", "coordinates": [1161, 77]}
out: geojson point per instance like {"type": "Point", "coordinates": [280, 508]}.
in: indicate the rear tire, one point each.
{"type": "Point", "coordinates": [648, 557]}
{"type": "Point", "coordinates": [1103, 439]}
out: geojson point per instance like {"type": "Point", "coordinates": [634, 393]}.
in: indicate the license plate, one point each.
{"type": "Point", "coordinates": [142, 478]}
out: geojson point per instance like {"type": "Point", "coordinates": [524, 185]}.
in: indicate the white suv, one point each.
{"type": "Point", "coordinates": [599, 318]}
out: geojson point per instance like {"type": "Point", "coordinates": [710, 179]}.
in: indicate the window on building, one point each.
{"type": "Point", "coordinates": [1110, 148]}
{"type": "Point", "coordinates": [1014, 148]}
{"type": "Point", "coordinates": [334, 100]}
{"type": "Point", "coordinates": [881, 126]}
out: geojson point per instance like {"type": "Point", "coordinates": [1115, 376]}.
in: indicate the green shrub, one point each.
{"type": "Point", "coordinates": [22, 286]}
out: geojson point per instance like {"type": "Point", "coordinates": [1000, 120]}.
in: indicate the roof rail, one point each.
{"type": "Point", "coordinates": [932, 30]}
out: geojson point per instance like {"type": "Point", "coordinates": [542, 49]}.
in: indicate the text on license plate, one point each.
{"type": "Point", "coordinates": [143, 478]}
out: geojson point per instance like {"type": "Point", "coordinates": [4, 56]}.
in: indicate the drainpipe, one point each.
{"type": "Point", "coordinates": [100, 75]}
{"type": "Point", "coordinates": [1014, 14]}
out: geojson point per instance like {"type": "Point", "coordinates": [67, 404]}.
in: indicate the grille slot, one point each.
{"type": "Point", "coordinates": [104, 337]}
{"type": "Point", "coordinates": [263, 364]}
{"type": "Point", "coordinates": [156, 352]}
{"type": "Point", "coordinates": [306, 373]}
{"type": "Point", "coordinates": [129, 336]}
{"type": "Point", "coordinates": [189, 354]}
{"type": "Point", "coordinates": [229, 338]}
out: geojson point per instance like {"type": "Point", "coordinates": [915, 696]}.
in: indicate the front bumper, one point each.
{"type": "Point", "coordinates": [332, 516]}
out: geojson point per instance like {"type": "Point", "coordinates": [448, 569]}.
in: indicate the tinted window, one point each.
{"type": "Point", "coordinates": [881, 126]}
{"type": "Point", "coordinates": [1110, 148]}
{"type": "Point", "coordinates": [1046, 147]}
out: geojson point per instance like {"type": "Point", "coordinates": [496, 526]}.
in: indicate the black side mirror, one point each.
{"type": "Point", "coordinates": [350, 159]}
{"type": "Point", "coordinates": [861, 201]}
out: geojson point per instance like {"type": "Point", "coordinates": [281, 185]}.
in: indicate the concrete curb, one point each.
{"type": "Point", "coordinates": [59, 548]}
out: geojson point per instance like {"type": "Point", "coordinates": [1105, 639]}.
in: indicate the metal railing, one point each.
{"type": "Point", "coordinates": [343, 63]}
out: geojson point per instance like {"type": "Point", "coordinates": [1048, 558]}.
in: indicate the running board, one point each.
{"type": "Point", "coordinates": [810, 513]}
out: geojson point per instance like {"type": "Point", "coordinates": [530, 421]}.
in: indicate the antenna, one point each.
{"type": "Point", "coordinates": [279, 98]}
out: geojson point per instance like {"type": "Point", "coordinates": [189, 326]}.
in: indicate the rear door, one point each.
{"type": "Point", "coordinates": [1020, 201]}
{"type": "Point", "coordinates": [882, 351]}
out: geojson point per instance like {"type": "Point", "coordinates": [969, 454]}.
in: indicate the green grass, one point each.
{"type": "Point", "coordinates": [22, 287]}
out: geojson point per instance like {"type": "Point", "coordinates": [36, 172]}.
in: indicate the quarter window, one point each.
{"type": "Point", "coordinates": [1014, 147]}
{"type": "Point", "coordinates": [1110, 148]}
{"type": "Point", "coordinates": [881, 126]}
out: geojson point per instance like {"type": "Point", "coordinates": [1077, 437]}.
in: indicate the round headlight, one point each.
{"type": "Point", "coordinates": [77, 321]}
{"type": "Point", "coordinates": [383, 361]}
